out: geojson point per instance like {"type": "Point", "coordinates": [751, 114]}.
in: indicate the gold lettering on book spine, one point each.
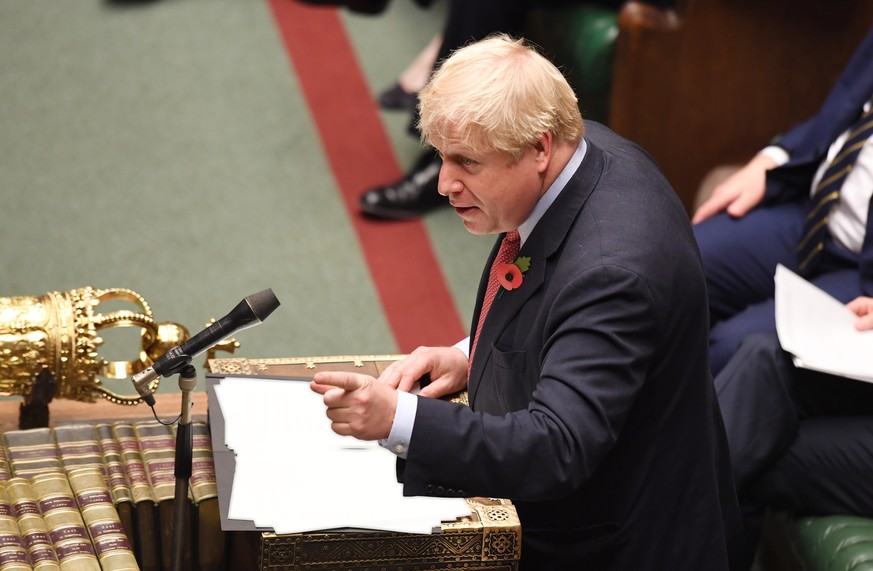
{"type": "Point", "coordinates": [64, 522]}
{"type": "Point", "coordinates": [34, 534]}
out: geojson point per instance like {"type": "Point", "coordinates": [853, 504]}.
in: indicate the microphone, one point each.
{"type": "Point", "coordinates": [251, 311]}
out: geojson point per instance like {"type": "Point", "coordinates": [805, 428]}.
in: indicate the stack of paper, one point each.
{"type": "Point", "coordinates": [294, 474]}
{"type": "Point", "coordinates": [819, 331]}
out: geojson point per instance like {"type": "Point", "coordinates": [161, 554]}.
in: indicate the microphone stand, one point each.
{"type": "Point", "coordinates": [183, 466]}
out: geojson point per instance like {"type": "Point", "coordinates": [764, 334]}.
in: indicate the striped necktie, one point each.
{"type": "Point", "coordinates": [827, 194]}
{"type": "Point", "coordinates": [505, 255]}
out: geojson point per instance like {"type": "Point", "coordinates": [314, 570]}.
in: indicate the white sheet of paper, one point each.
{"type": "Point", "coordinates": [819, 331]}
{"type": "Point", "coordinates": [294, 474]}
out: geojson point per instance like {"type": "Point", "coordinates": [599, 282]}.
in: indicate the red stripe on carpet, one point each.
{"type": "Point", "coordinates": [407, 275]}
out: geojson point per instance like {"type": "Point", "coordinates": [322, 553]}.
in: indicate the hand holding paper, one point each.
{"type": "Point", "coordinates": [863, 308]}
{"type": "Point", "coordinates": [822, 333]}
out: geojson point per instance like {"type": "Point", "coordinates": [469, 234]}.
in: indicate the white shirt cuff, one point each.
{"type": "Point", "coordinates": [463, 346]}
{"type": "Point", "coordinates": [401, 431]}
{"type": "Point", "coordinates": [778, 154]}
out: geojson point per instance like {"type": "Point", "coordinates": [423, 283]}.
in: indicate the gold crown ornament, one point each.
{"type": "Point", "coordinates": [59, 333]}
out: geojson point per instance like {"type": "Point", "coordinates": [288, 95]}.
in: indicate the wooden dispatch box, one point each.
{"type": "Point", "coordinates": [488, 540]}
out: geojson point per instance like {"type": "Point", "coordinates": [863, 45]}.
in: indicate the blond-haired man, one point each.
{"type": "Point", "coordinates": [591, 404]}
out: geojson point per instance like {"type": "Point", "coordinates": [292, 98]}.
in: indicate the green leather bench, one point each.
{"type": "Point", "coordinates": [581, 40]}
{"type": "Point", "coordinates": [826, 543]}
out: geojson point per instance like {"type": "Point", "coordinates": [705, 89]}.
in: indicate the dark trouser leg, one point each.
{"type": "Point", "coordinates": [827, 470]}
{"type": "Point", "coordinates": [755, 395]}
{"type": "Point", "coordinates": [740, 256]}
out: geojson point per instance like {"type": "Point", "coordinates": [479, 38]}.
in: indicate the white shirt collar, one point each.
{"type": "Point", "coordinates": [554, 190]}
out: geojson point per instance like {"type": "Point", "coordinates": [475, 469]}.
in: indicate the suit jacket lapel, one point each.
{"type": "Point", "coordinates": [541, 245]}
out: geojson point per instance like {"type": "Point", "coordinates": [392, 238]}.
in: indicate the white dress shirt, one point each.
{"type": "Point", "coordinates": [848, 220]}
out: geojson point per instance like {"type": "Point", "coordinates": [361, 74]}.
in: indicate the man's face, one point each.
{"type": "Point", "coordinates": [489, 192]}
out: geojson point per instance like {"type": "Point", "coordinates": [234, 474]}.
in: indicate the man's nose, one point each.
{"type": "Point", "coordinates": [448, 183]}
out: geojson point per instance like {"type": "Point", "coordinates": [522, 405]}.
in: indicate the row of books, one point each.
{"type": "Point", "coordinates": [127, 471]}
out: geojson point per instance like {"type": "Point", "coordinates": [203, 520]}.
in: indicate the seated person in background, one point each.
{"type": "Point", "coordinates": [805, 203]}
{"type": "Point", "coordinates": [591, 405]}
{"type": "Point", "coordinates": [404, 93]}
{"type": "Point", "coordinates": [370, 7]}
{"type": "Point", "coordinates": [416, 193]}
{"type": "Point", "coordinates": [765, 402]}
{"type": "Point", "coordinates": [466, 21]}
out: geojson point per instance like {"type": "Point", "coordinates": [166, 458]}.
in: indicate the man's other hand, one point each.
{"type": "Point", "coordinates": [447, 367]}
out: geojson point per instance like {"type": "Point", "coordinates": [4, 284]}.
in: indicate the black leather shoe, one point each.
{"type": "Point", "coordinates": [409, 198]}
{"type": "Point", "coordinates": [395, 97]}
{"type": "Point", "coordinates": [359, 6]}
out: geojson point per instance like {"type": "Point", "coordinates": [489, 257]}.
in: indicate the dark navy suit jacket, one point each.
{"type": "Point", "coordinates": [591, 402]}
{"type": "Point", "coordinates": [808, 143]}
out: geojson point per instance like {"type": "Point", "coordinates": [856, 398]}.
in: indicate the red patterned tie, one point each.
{"type": "Point", "coordinates": [505, 255]}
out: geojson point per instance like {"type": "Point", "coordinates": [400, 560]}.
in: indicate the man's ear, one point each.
{"type": "Point", "coordinates": [543, 148]}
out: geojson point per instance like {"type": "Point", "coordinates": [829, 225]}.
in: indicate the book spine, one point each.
{"type": "Point", "coordinates": [34, 534]}
{"type": "Point", "coordinates": [78, 447]}
{"type": "Point", "coordinates": [211, 540]}
{"type": "Point", "coordinates": [148, 539]}
{"type": "Point", "coordinates": [158, 445]}
{"type": "Point", "coordinates": [32, 452]}
{"type": "Point", "coordinates": [64, 522]}
{"type": "Point", "coordinates": [102, 520]}
{"type": "Point", "coordinates": [134, 465]}
{"type": "Point", "coordinates": [13, 555]}
{"type": "Point", "coordinates": [116, 480]}
{"type": "Point", "coordinates": [203, 482]}
{"type": "Point", "coordinates": [113, 463]}
{"type": "Point", "coordinates": [5, 470]}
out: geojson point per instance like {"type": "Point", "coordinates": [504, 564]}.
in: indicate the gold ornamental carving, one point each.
{"type": "Point", "coordinates": [60, 333]}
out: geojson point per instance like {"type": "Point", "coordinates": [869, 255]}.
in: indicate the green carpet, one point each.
{"type": "Point", "coordinates": [164, 147]}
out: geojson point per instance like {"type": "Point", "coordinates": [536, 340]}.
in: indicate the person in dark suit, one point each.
{"type": "Point", "coordinates": [767, 402]}
{"type": "Point", "coordinates": [591, 403]}
{"type": "Point", "coordinates": [756, 219]}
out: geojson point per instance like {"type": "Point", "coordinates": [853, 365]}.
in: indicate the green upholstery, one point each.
{"type": "Point", "coordinates": [581, 40]}
{"type": "Point", "coordinates": [827, 543]}
{"type": "Point", "coordinates": [836, 543]}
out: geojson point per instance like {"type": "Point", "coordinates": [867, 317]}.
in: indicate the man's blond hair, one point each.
{"type": "Point", "coordinates": [498, 94]}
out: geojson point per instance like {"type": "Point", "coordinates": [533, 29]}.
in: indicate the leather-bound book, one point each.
{"type": "Point", "coordinates": [148, 538]}
{"type": "Point", "coordinates": [5, 470]}
{"type": "Point", "coordinates": [116, 480]}
{"type": "Point", "coordinates": [101, 520]}
{"type": "Point", "coordinates": [13, 555]}
{"type": "Point", "coordinates": [34, 534]}
{"type": "Point", "coordinates": [64, 522]}
{"type": "Point", "coordinates": [158, 445]}
{"type": "Point", "coordinates": [32, 452]}
{"type": "Point", "coordinates": [80, 446]}
{"type": "Point", "coordinates": [211, 541]}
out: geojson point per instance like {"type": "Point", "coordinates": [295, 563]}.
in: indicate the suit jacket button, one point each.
{"type": "Point", "coordinates": [440, 490]}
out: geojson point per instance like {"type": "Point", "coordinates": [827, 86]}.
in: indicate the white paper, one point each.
{"type": "Point", "coordinates": [819, 331]}
{"type": "Point", "coordinates": [294, 474]}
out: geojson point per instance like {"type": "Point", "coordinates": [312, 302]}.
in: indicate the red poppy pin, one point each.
{"type": "Point", "coordinates": [511, 276]}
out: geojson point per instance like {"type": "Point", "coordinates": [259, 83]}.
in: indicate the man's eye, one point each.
{"type": "Point", "coordinates": [467, 162]}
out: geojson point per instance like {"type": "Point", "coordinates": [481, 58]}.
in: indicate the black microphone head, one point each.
{"type": "Point", "coordinates": [263, 303]}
